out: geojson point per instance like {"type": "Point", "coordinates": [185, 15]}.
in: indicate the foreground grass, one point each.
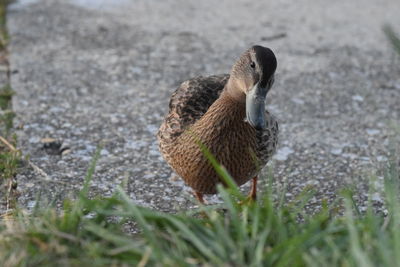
{"type": "Point", "coordinates": [9, 155]}
{"type": "Point", "coordinates": [93, 232]}
{"type": "Point", "coordinates": [392, 37]}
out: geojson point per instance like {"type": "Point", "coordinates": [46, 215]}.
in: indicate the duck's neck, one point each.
{"type": "Point", "coordinates": [232, 88]}
{"type": "Point", "coordinates": [227, 109]}
{"type": "Point", "coordinates": [226, 112]}
{"type": "Point", "coordinates": [233, 99]}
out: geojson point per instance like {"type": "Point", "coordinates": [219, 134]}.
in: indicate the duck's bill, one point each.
{"type": "Point", "coordinates": [255, 107]}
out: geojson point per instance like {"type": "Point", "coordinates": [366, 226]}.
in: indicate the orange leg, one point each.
{"type": "Point", "coordinates": [199, 197]}
{"type": "Point", "coordinates": [253, 192]}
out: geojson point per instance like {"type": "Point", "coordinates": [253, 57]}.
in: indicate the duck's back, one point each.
{"type": "Point", "coordinates": [189, 103]}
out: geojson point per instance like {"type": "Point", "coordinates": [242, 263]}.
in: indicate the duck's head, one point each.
{"type": "Point", "coordinates": [251, 78]}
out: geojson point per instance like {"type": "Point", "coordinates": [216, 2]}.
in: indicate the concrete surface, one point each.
{"type": "Point", "coordinates": [89, 71]}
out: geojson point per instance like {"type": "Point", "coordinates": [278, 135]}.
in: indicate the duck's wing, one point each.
{"type": "Point", "coordinates": [190, 102]}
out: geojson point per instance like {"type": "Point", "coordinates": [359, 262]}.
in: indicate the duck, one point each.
{"type": "Point", "coordinates": [225, 113]}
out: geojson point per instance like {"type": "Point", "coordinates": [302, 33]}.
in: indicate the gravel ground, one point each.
{"type": "Point", "coordinates": [88, 72]}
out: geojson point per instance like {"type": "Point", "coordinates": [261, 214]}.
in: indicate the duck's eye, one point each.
{"type": "Point", "coordinates": [252, 64]}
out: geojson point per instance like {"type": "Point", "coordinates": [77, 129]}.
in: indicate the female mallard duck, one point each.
{"type": "Point", "coordinates": [226, 113]}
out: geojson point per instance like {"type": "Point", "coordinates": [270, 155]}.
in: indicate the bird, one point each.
{"type": "Point", "coordinates": [225, 113]}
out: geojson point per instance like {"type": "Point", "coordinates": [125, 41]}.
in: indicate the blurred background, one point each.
{"type": "Point", "coordinates": [95, 71]}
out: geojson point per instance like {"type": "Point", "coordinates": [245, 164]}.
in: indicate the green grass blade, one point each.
{"type": "Point", "coordinates": [393, 37]}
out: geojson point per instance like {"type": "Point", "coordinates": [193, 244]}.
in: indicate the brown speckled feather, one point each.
{"type": "Point", "coordinates": [188, 103]}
